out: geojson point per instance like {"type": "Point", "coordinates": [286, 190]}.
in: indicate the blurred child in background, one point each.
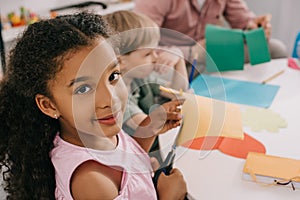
{"type": "Point", "coordinates": [139, 37]}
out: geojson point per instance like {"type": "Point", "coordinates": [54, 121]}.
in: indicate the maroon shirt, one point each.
{"type": "Point", "coordinates": [185, 16]}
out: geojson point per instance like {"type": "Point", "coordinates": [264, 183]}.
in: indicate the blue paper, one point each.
{"type": "Point", "coordinates": [235, 91]}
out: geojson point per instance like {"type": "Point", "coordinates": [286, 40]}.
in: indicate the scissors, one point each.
{"type": "Point", "coordinates": [167, 164]}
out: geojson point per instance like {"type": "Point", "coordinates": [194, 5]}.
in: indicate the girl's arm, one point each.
{"type": "Point", "coordinates": [92, 180]}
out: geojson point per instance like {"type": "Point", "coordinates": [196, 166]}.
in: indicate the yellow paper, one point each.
{"type": "Point", "coordinates": [258, 164]}
{"type": "Point", "coordinates": [259, 119]}
{"type": "Point", "coordinates": [205, 116]}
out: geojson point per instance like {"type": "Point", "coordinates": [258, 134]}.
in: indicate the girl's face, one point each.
{"type": "Point", "coordinates": [89, 93]}
{"type": "Point", "coordinates": [139, 63]}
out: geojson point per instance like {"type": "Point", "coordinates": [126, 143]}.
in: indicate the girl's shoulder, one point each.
{"type": "Point", "coordinates": [92, 179]}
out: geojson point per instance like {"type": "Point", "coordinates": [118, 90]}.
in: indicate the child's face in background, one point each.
{"type": "Point", "coordinates": [139, 63]}
{"type": "Point", "coordinates": [89, 93]}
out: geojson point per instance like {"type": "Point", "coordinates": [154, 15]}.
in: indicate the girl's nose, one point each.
{"type": "Point", "coordinates": [154, 56]}
{"type": "Point", "coordinates": [104, 95]}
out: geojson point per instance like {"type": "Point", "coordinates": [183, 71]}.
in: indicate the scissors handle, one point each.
{"type": "Point", "coordinates": [165, 167]}
{"type": "Point", "coordinates": [166, 170]}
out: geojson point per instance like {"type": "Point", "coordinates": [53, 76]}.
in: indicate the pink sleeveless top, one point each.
{"type": "Point", "coordinates": [136, 179]}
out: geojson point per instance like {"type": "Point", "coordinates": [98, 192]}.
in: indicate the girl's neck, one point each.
{"type": "Point", "coordinates": [91, 141]}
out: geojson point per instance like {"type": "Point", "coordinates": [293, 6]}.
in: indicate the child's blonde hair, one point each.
{"type": "Point", "coordinates": [135, 30]}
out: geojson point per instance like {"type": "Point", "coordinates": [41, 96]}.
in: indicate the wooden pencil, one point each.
{"type": "Point", "coordinates": [272, 77]}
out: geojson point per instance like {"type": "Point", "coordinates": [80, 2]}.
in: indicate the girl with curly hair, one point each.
{"type": "Point", "coordinates": [61, 105]}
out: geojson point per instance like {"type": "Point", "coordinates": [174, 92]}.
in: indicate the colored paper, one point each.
{"type": "Point", "coordinates": [293, 63]}
{"type": "Point", "coordinates": [204, 116]}
{"type": "Point", "coordinates": [257, 46]}
{"type": "Point", "coordinates": [235, 91]}
{"type": "Point", "coordinates": [229, 146]}
{"type": "Point", "coordinates": [225, 48]}
{"type": "Point", "coordinates": [272, 169]}
{"type": "Point", "coordinates": [259, 119]}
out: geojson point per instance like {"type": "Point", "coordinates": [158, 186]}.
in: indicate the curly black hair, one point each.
{"type": "Point", "coordinates": [26, 133]}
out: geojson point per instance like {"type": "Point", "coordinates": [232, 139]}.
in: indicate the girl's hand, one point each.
{"type": "Point", "coordinates": [172, 186]}
{"type": "Point", "coordinates": [167, 116]}
{"type": "Point", "coordinates": [160, 120]}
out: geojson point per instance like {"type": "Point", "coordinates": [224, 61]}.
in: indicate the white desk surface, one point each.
{"type": "Point", "coordinates": [212, 175]}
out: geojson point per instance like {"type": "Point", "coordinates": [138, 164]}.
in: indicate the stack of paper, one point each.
{"type": "Point", "coordinates": [268, 169]}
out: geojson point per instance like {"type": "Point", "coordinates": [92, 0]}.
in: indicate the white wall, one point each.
{"type": "Point", "coordinates": [285, 18]}
{"type": "Point", "coordinates": [43, 7]}
{"type": "Point", "coordinates": [40, 7]}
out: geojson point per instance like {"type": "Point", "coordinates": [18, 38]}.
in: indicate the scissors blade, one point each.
{"type": "Point", "coordinates": [171, 155]}
{"type": "Point", "coordinates": [178, 133]}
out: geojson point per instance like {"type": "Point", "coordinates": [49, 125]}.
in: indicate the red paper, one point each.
{"type": "Point", "coordinates": [230, 146]}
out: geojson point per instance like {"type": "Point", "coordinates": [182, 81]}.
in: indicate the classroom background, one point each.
{"type": "Point", "coordinates": [285, 18]}
{"type": "Point", "coordinates": [285, 13]}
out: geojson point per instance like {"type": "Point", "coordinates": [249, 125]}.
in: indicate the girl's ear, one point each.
{"type": "Point", "coordinates": [46, 106]}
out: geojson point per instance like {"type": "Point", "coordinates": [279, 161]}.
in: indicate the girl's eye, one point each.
{"type": "Point", "coordinates": [114, 76]}
{"type": "Point", "coordinates": [83, 89]}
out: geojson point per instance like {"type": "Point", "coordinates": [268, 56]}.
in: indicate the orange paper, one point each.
{"type": "Point", "coordinates": [205, 116]}
{"type": "Point", "coordinates": [272, 168]}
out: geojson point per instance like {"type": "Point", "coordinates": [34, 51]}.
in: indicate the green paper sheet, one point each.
{"type": "Point", "coordinates": [257, 46]}
{"type": "Point", "coordinates": [225, 49]}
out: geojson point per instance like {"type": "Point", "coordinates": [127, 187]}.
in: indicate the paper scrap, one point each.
{"type": "Point", "coordinates": [229, 146]}
{"type": "Point", "coordinates": [259, 119]}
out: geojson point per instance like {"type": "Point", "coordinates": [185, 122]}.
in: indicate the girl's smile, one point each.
{"type": "Point", "coordinates": [110, 119]}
